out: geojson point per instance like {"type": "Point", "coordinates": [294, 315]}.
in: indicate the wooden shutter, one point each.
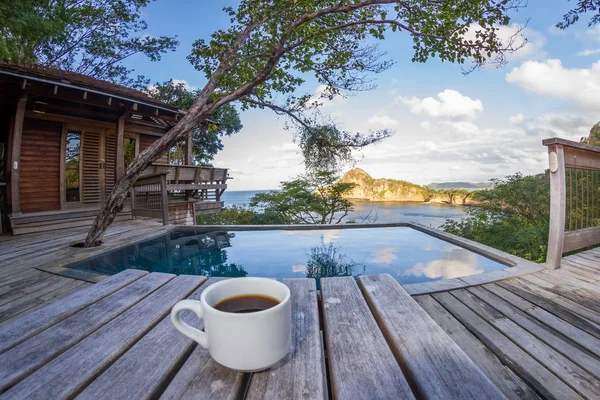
{"type": "Point", "coordinates": [111, 160]}
{"type": "Point", "coordinates": [91, 167]}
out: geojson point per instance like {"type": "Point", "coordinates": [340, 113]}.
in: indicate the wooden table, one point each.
{"type": "Point", "coordinates": [365, 339]}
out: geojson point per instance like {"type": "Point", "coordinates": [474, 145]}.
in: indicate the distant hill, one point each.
{"type": "Point", "coordinates": [460, 185]}
{"type": "Point", "coordinates": [368, 188]}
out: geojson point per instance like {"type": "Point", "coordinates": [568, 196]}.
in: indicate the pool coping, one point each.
{"type": "Point", "coordinates": [515, 266]}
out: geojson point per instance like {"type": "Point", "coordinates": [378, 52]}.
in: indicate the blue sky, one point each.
{"type": "Point", "coordinates": [447, 126]}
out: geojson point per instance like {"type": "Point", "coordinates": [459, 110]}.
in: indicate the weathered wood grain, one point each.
{"type": "Point", "coordinates": [435, 362]}
{"type": "Point", "coordinates": [563, 344]}
{"type": "Point", "coordinates": [361, 364]}
{"type": "Point", "coordinates": [72, 371]}
{"type": "Point", "coordinates": [529, 369]}
{"type": "Point", "coordinates": [11, 335]}
{"type": "Point", "coordinates": [503, 377]}
{"type": "Point", "coordinates": [571, 374]}
{"type": "Point", "coordinates": [145, 370]}
{"type": "Point", "coordinates": [508, 301]}
{"type": "Point", "coordinates": [23, 359]}
{"type": "Point", "coordinates": [301, 375]}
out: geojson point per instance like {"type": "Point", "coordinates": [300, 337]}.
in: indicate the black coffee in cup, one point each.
{"type": "Point", "coordinates": [247, 303]}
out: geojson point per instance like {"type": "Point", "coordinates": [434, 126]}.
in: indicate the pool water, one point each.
{"type": "Point", "coordinates": [409, 255]}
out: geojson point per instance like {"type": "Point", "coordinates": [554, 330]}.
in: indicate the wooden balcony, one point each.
{"type": "Point", "coordinates": [188, 190]}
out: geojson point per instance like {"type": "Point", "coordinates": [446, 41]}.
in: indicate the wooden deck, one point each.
{"type": "Point", "coordinates": [533, 336]}
{"type": "Point", "coordinates": [24, 289]}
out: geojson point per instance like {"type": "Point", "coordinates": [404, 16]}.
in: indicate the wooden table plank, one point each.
{"type": "Point", "coordinates": [570, 373]}
{"type": "Point", "coordinates": [201, 377]}
{"type": "Point", "coordinates": [513, 387]}
{"type": "Point", "coordinates": [529, 369]}
{"type": "Point", "coordinates": [69, 373]}
{"type": "Point", "coordinates": [361, 364]}
{"type": "Point", "coordinates": [145, 370]}
{"type": "Point", "coordinates": [21, 360]}
{"type": "Point", "coordinates": [435, 362]}
{"type": "Point", "coordinates": [301, 374]}
{"type": "Point", "coordinates": [24, 328]}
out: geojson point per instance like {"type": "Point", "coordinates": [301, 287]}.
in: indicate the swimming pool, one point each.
{"type": "Point", "coordinates": [409, 255]}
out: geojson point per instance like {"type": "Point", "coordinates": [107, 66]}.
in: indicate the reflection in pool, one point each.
{"type": "Point", "coordinates": [410, 256]}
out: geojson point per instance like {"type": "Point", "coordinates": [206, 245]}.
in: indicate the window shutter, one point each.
{"type": "Point", "coordinates": [111, 161]}
{"type": "Point", "coordinates": [91, 167]}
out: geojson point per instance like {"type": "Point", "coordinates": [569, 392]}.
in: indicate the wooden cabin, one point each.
{"type": "Point", "coordinates": [64, 140]}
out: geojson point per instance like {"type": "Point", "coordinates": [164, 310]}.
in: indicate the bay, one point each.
{"type": "Point", "coordinates": [433, 215]}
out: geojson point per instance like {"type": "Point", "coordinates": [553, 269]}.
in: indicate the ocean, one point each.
{"type": "Point", "coordinates": [433, 215]}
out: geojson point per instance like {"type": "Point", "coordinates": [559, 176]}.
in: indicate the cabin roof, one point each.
{"type": "Point", "coordinates": [80, 81]}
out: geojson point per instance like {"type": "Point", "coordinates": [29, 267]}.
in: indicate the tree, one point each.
{"type": "Point", "coordinates": [206, 138]}
{"type": "Point", "coordinates": [327, 260]}
{"type": "Point", "coordinates": [582, 7]}
{"type": "Point", "coordinates": [312, 198]}
{"type": "Point", "coordinates": [594, 137]}
{"type": "Point", "coordinates": [91, 37]}
{"type": "Point", "coordinates": [513, 217]}
{"type": "Point", "coordinates": [271, 45]}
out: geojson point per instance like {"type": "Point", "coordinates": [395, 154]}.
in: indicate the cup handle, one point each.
{"type": "Point", "coordinates": [185, 328]}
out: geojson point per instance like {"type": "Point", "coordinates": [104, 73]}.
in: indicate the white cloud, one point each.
{"type": "Point", "coordinates": [323, 98]}
{"type": "Point", "coordinates": [285, 147]}
{"type": "Point", "coordinates": [386, 255]}
{"type": "Point", "coordinates": [588, 52]}
{"type": "Point", "coordinates": [550, 78]}
{"type": "Point", "coordinates": [448, 104]}
{"type": "Point", "coordinates": [458, 263]}
{"type": "Point", "coordinates": [382, 120]}
{"type": "Point", "coordinates": [554, 31]}
{"type": "Point", "coordinates": [517, 119]}
{"type": "Point", "coordinates": [425, 125]}
{"type": "Point", "coordinates": [591, 34]}
{"type": "Point", "coordinates": [185, 84]}
{"type": "Point", "coordinates": [466, 127]}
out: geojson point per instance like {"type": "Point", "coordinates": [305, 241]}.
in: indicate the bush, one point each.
{"type": "Point", "coordinates": [512, 217]}
{"type": "Point", "coordinates": [240, 216]}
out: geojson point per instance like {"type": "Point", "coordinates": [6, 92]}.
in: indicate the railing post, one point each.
{"type": "Point", "coordinates": [165, 199]}
{"type": "Point", "coordinates": [133, 202]}
{"type": "Point", "coordinates": [558, 206]}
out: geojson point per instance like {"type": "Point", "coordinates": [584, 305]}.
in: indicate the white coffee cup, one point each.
{"type": "Point", "coordinates": [246, 341]}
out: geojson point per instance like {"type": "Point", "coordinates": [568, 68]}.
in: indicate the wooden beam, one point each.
{"type": "Point", "coordinates": [15, 168]}
{"type": "Point", "coordinates": [165, 199]}
{"type": "Point", "coordinates": [55, 89]}
{"type": "Point", "coordinates": [84, 95]}
{"type": "Point", "coordinates": [24, 84]}
{"type": "Point", "coordinates": [120, 154]}
{"type": "Point", "coordinates": [188, 149]}
{"type": "Point", "coordinates": [109, 101]}
{"type": "Point", "coordinates": [134, 106]}
{"type": "Point", "coordinates": [558, 206]}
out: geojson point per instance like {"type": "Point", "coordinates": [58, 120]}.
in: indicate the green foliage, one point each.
{"type": "Point", "coordinates": [582, 7]}
{"type": "Point", "coordinates": [91, 37]}
{"type": "Point", "coordinates": [312, 198]}
{"type": "Point", "coordinates": [241, 216]}
{"type": "Point", "coordinates": [594, 137]}
{"type": "Point", "coordinates": [206, 138]}
{"type": "Point", "coordinates": [513, 217]}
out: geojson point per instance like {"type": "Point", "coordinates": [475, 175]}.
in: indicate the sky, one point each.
{"type": "Point", "coordinates": [448, 126]}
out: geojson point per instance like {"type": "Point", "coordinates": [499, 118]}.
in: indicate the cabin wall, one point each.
{"type": "Point", "coordinates": [146, 141]}
{"type": "Point", "coordinates": [40, 165]}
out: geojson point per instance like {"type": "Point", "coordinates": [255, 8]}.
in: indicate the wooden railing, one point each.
{"type": "Point", "coordinates": [574, 198]}
{"type": "Point", "coordinates": [149, 197]}
{"type": "Point", "coordinates": [188, 181]}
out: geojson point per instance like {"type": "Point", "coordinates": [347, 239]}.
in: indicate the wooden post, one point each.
{"type": "Point", "coordinates": [120, 153]}
{"type": "Point", "coordinates": [558, 208]}
{"type": "Point", "coordinates": [188, 149]}
{"type": "Point", "coordinates": [165, 199]}
{"type": "Point", "coordinates": [15, 167]}
{"type": "Point", "coordinates": [133, 202]}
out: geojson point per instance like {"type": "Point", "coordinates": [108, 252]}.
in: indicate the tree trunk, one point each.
{"type": "Point", "coordinates": [199, 112]}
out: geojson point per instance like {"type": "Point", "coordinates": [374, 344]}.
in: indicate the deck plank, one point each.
{"type": "Point", "coordinates": [361, 364]}
{"type": "Point", "coordinates": [145, 370]}
{"type": "Point", "coordinates": [513, 387]}
{"type": "Point", "coordinates": [24, 328]}
{"type": "Point", "coordinates": [21, 360]}
{"type": "Point", "coordinates": [528, 368]}
{"type": "Point", "coordinates": [570, 373]}
{"type": "Point", "coordinates": [435, 362]}
{"type": "Point", "coordinates": [301, 374]}
{"type": "Point", "coordinates": [69, 373]}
